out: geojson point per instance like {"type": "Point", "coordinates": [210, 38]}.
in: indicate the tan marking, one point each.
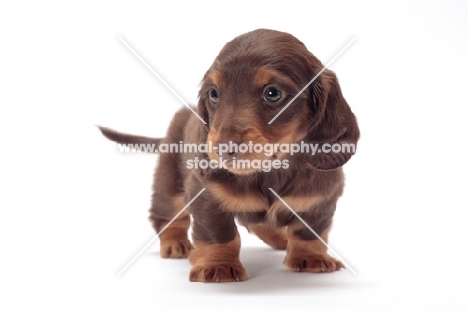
{"type": "Point", "coordinates": [254, 135]}
{"type": "Point", "coordinates": [264, 77]}
{"type": "Point", "coordinates": [298, 204]}
{"type": "Point", "coordinates": [217, 262]}
{"type": "Point", "coordinates": [250, 202]}
{"type": "Point", "coordinates": [174, 242]}
{"type": "Point", "coordinates": [175, 248]}
{"type": "Point", "coordinates": [215, 77]}
{"type": "Point", "coordinates": [276, 237]}
{"type": "Point", "coordinates": [250, 135]}
{"type": "Point", "coordinates": [205, 253]}
{"type": "Point", "coordinates": [180, 224]}
{"type": "Point", "coordinates": [297, 246]}
{"type": "Point", "coordinates": [309, 256]}
{"type": "Point", "coordinates": [211, 140]}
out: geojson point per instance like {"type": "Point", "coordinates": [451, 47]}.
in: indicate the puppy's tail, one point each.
{"type": "Point", "coordinates": [129, 139]}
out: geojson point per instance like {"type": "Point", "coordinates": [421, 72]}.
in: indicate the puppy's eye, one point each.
{"type": "Point", "coordinates": [214, 97]}
{"type": "Point", "coordinates": [272, 94]}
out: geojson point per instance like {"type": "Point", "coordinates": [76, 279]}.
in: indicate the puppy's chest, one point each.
{"type": "Point", "coordinates": [242, 199]}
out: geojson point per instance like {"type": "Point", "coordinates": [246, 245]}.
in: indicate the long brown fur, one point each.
{"type": "Point", "coordinates": [244, 69]}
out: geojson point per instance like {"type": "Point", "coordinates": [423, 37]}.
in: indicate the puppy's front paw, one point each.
{"type": "Point", "coordinates": [218, 273]}
{"type": "Point", "coordinates": [313, 263]}
{"type": "Point", "coordinates": [175, 248]}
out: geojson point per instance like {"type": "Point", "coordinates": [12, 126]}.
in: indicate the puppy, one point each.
{"type": "Point", "coordinates": [250, 82]}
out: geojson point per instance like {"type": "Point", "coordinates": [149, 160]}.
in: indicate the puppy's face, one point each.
{"type": "Point", "coordinates": [253, 79]}
{"type": "Point", "coordinates": [247, 86]}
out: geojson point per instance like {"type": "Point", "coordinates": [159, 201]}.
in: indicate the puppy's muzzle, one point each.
{"type": "Point", "coordinates": [227, 149]}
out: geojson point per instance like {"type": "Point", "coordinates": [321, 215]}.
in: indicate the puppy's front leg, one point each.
{"type": "Point", "coordinates": [305, 252]}
{"type": "Point", "coordinates": [213, 262]}
{"type": "Point", "coordinates": [217, 244]}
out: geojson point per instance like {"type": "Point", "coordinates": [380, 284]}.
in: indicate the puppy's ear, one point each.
{"type": "Point", "coordinates": [334, 126]}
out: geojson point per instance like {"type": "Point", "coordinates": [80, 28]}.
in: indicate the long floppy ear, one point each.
{"type": "Point", "coordinates": [334, 126]}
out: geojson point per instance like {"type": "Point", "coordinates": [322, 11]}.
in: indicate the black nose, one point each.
{"type": "Point", "coordinates": [228, 149]}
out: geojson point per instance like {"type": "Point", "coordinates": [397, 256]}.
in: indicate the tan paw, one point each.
{"type": "Point", "coordinates": [175, 248]}
{"type": "Point", "coordinates": [218, 273]}
{"type": "Point", "coordinates": [313, 263]}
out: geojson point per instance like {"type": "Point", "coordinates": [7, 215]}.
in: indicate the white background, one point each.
{"type": "Point", "coordinates": [73, 210]}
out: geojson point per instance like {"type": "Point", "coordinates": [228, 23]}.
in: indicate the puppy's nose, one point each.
{"type": "Point", "coordinates": [228, 149]}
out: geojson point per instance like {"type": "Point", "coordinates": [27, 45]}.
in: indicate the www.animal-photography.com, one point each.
{"type": "Point", "coordinates": [215, 155]}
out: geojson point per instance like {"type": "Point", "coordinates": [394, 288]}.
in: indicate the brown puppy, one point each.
{"type": "Point", "coordinates": [253, 78]}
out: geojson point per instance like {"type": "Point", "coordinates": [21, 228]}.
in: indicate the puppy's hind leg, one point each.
{"type": "Point", "coordinates": [167, 202]}
{"type": "Point", "coordinates": [174, 242]}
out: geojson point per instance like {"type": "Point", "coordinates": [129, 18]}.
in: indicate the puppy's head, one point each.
{"type": "Point", "coordinates": [251, 81]}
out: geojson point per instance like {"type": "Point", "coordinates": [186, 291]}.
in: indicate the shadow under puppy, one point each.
{"type": "Point", "coordinates": [250, 82]}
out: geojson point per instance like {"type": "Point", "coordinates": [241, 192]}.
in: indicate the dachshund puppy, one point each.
{"type": "Point", "coordinates": [250, 82]}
